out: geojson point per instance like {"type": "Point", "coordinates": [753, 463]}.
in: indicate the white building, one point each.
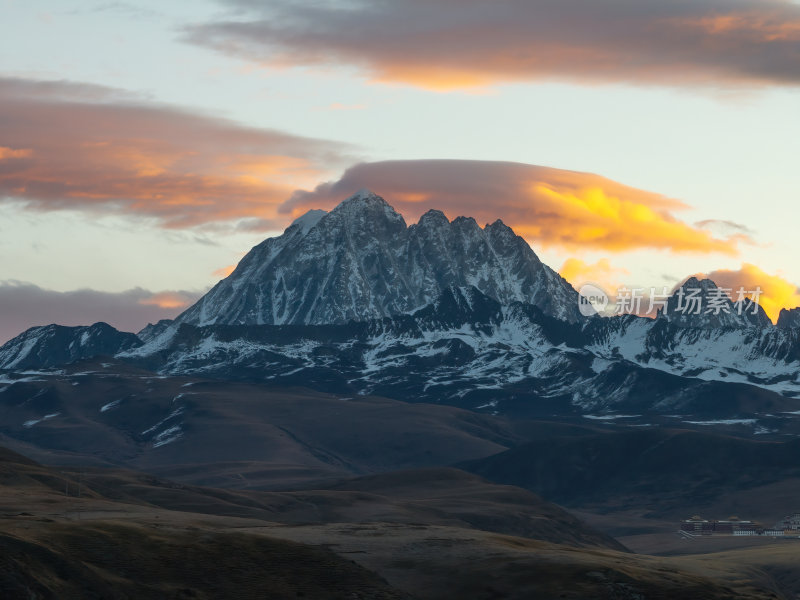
{"type": "Point", "coordinates": [791, 522]}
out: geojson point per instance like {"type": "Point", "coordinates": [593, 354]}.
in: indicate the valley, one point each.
{"type": "Point", "coordinates": [415, 534]}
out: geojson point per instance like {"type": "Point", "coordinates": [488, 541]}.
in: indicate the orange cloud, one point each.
{"type": "Point", "coordinates": [594, 217]}
{"type": "Point", "coordinates": [458, 44]}
{"type": "Point", "coordinates": [169, 300]}
{"type": "Point", "coordinates": [69, 145]}
{"type": "Point", "coordinates": [6, 153]}
{"type": "Point", "coordinates": [550, 207]}
{"type": "Point", "coordinates": [776, 292]}
{"type": "Point", "coordinates": [223, 272]}
{"type": "Point", "coordinates": [601, 273]}
{"type": "Point", "coordinates": [608, 278]}
{"type": "Point", "coordinates": [765, 25]}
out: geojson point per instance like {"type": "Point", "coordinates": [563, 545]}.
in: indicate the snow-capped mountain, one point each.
{"type": "Point", "coordinates": [701, 304]}
{"type": "Point", "coordinates": [53, 345]}
{"type": "Point", "coordinates": [361, 261]}
{"type": "Point", "coordinates": [357, 302]}
{"type": "Point", "coordinates": [789, 318]}
{"type": "Point", "coordinates": [466, 348]}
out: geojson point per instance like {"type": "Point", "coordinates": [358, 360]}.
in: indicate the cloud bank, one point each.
{"type": "Point", "coordinates": [549, 207]}
{"type": "Point", "coordinates": [27, 305]}
{"type": "Point", "coordinates": [450, 44]}
{"type": "Point", "coordinates": [776, 292]}
{"type": "Point", "coordinates": [72, 145]}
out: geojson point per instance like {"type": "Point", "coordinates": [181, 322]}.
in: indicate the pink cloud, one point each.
{"type": "Point", "coordinates": [68, 145]}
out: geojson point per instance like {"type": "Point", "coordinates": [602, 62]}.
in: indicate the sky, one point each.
{"type": "Point", "coordinates": [146, 147]}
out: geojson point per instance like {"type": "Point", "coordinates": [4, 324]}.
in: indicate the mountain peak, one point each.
{"type": "Point", "coordinates": [497, 223]}
{"type": "Point", "coordinates": [700, 303]}
{"type": "Point", "coordinates": [788, 318]}
{"type": "Point", "coordinates": [693, 283]}
{"type": "Point", "coordinates": [361, 261]}
{"type": "Point", "coordinates": [309, 219]}
{"type": "Point", "coordinates": [52, 345]}
{"type": "Point", "coordinates": [500, 229]}
{"type": "Point", "coordinates": [432, 217]}
{"type": "Point", "coordinates": [365, 193]}
{"type": "Point", "coordinates": [362, 196]}
{"type": "Point", "coordinates": [366, 203]}
{"type": "Point", "coordinates": [466, 223]}
{"type": "Point", "coordinates": [752, 313]}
